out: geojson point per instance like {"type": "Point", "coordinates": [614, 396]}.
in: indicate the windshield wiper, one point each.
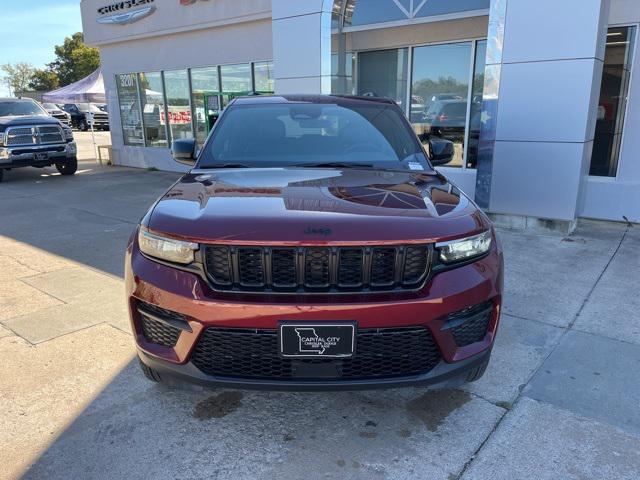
{"type": "Point", "coordinates": [226, 165]}
{"type": "Point", "coordinates": [334, 165]}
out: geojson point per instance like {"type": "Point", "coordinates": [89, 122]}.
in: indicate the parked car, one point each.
{"type": "Point", "coordinates": [314, 246]}
{"type": "Point", "coordinates": [56, 112]}
{"type": "Point", "coordinates": [30, 137]}
{"type": "Point", "coordinates": [447, 118]}
{"type": "Point", "coordinates": [84, 114]}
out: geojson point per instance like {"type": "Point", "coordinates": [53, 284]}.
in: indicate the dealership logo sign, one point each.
{"type": "Point", "coordinates": [122, 13]}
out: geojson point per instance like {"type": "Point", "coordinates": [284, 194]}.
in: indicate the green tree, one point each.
{"type": "Point", "coordinates": [75, 60]}
{"type": "Point", "coordinates": [18, 76]}
{"type": "Point", "coordinates": [44, 80]}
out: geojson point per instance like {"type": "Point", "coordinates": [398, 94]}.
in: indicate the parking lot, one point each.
{"type": "Point", "coordinates": [561, 397]}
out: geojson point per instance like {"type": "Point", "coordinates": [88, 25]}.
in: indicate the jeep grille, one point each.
{"type": "Point", "coordinates": [317, 269]}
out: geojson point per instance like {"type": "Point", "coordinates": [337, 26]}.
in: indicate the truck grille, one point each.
{"type": "Point", "coordinates": [34, 135]}
{"type": "Point", "coordinates": [317, 269]}
{"type": "Point", "coordinates": [380, 353]}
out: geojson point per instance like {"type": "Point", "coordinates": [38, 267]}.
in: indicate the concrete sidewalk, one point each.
{"type": "Point", "coordinates": [560, 399]}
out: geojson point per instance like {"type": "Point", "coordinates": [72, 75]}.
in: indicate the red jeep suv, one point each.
{"type": "Point", "coordinates": [314, 246]}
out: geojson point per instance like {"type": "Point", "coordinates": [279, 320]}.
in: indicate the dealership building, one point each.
{"type": "Point", "coordinates": [541, 98]}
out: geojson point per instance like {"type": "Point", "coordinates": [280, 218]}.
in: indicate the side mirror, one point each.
{"type": "Point", "coordinates": [184, 151]}
{"type": "Point", "coordinates": [441, 151]}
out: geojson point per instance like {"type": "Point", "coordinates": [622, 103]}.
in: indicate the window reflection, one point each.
{"type": "Point", "coordinates": [475, 115]}
{"type": "Point", "coordinates": [614, 89]}
{"type": "Point", "coordinates": [236, 81]}
{"type": "Point", "coordinates": [439, 94]}
{"type": "Point", "coordinates": [130, 117]}
{"type": "Point", "coordinates": [366, 12]}
{"type": "Point", "coordinates": [383, 73]}
{"type": "Point", "coordinates": [178, 107]}
{"type": "Point", "coordinates": [263, 77]}
{"type": "Point", "coordinates": [342, 85]}
{"type": "Point", "coordinates": [151, 99]}
{"type": "Point", "coordinates": [205, 100]}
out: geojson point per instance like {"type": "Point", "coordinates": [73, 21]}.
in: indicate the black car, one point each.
{"type": "Point", "coordinates": [83, 115]}
{"type": "Point", "coordinates": [30, 137]}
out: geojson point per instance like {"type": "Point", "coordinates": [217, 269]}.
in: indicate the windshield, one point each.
{"type": "Point", "coordinates": [20, 108]}
{"type": "Point", "coordinates": [302, 134]}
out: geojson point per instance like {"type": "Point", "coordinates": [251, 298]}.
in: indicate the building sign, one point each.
{"type": "Point", "coordinates": [128, 11]}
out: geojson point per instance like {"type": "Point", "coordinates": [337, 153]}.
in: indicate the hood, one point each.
{"type": "Point", "coordinates": [28, 120]}
{"type": "Point", "coordinates": [315, 206]}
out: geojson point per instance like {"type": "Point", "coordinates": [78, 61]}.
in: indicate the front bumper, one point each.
{"type": "Point", "coordinates": [37, 155]}
{"type": "Point", "coordinates": [444, 375]}
{"type": "Point", "coordinates": [187, 293]}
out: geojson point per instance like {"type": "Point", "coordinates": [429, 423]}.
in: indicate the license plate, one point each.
{"type": "Point", "coordinates": [42, 156]}
{"type": "Point", "coordinates": [319, 340]}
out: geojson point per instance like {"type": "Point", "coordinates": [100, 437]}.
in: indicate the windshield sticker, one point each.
{"type": "Point", "coordinates": [415, 166]}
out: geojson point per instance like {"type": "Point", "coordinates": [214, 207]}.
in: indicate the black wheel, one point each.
{"type": "Point", "coordinates": [69, 167]}
{"type": "Point", "coordinates": [149, 372]}
{"type": "Point", "coordinates": [1, 174]}
{"type": "Point", "coordinates": [82, 125]}
{"type": "Point", "coordinates": [478, 372]}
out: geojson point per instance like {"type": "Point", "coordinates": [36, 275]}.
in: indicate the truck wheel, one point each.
{"type": "Point", "coordinates": [150, 373]}
{"type": "Point", "coordinates": [68, 168]}
{"type": "Point", "coordinates": [82, 125]}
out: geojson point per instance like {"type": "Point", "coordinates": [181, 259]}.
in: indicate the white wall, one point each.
{"type": "Point", "coordinates": [549, 90]}
{"type": "Point", "coordinates": [613, 198]}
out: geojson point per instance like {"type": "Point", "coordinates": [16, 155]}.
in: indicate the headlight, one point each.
{"type": "Point", "coordinates": [68, 133]}
{"type": "Point", "coordinates": [165, 248]}
{"type": "Point", "coordinates": [465, 248]}
{"type": "Point", "coordinates": [1, 139]}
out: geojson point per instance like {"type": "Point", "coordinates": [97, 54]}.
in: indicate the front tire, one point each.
{"type": "Point", "coordinates": [82, 126]}
{"type": "Point", "coordinates": [68, 168]}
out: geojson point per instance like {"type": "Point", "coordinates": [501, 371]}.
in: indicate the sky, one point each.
{"type": "Point", "coordinates": [31, 28]}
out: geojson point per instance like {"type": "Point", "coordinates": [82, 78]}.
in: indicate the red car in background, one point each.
{"type": "Point", "coordinates": [313, 246]}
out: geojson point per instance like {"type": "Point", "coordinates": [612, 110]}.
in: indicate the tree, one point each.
{"type": "Point", "coordinates": [74, 60]}
{"type": "Point", "coordinates": [44, 81]}
{"type": "Point", "coordinates": [18, 76]}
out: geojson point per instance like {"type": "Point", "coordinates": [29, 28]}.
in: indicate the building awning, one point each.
{"type": "Point", "coordinates": [88, 90]}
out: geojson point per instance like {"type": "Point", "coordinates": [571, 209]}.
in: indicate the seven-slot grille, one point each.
{"type": "Point", "coordinates": [317, 269]}
{"type": "Point", "coordinates": [34, 135]}
{"type": "Point", "coordinates": [380, 353]}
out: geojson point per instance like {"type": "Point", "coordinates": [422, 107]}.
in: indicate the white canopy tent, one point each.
{"type": "Point", "coordinates": [88, 90]}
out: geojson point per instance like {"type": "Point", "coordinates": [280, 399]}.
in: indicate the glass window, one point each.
{"type": "Point", "coordinates": [365, 12]}
{"type": "Point", "coordinates": [614, 89]}
{"type": "Point", "coordinates": [383, 73]}
{"type": "Point", "coordinates": [151, 98]}
{"type": "Point", "coordinates": [205, 100]}
{"type": "Point", "coordinates": [178, 108]}
{"type": "Point", "coordinates": [439, 93]}
{"type": "Point", "coordinates": [475, 116]}
{"type": "Point", "coordinates": [130, 117]}
{"type": "Point", "coordinates": [263, 77]}
{"type": "Point", "coordinates": [236, 81]}
{"type": "Point", "coordinates": [306, 134]}
{"type": "Point", "coordinates": [342, 84]}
